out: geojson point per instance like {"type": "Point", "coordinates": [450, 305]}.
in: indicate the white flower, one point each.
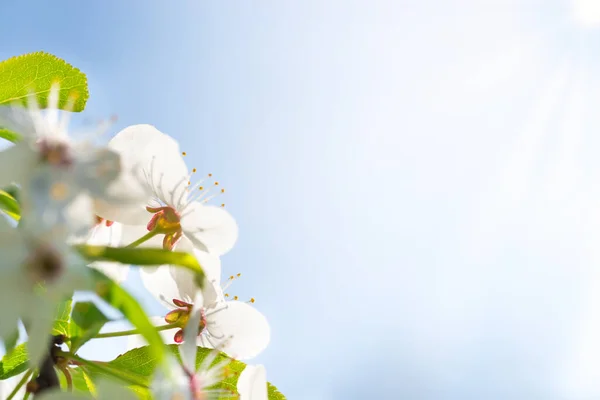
{"type": "Point", "coordinates": [252, 383]}
{"type": "Point", "coordinates": [242, 330]}
{"type": "Point", "coordinates": [175, 212]}
{"type": "Point", "coordinates": [38, 270]}
{"type": "Point", "coordinates": [67, 170]}
{"type": "Point", "coordinates": [185, 381]}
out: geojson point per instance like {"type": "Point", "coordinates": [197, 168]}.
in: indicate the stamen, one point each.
{"type": "Point", "coordinates": [235, 297]}
{"type": "Point", "coordinates": [183, 153]}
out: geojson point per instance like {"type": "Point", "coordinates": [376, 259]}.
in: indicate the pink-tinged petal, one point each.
{"type": "Point", "coordinates": [252, 383]}
{"type": "Point", "coordinates": [247, 330]}
{"type": "Point", "coordinates": [209, 228]}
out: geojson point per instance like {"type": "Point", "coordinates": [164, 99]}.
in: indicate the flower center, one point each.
{"type": "Point", "coordinates": [166, 220]}
{"type": "Point", "coordinates": [45, 264]}
{"type": "Point", "coordinates": [181, 315]}
{"type": "Point", "coordinates": [54, 153]}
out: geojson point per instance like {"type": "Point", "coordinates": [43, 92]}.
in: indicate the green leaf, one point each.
{"type": "Point", "coordinates": [117, 297]}
{"type": "Point", "coordinates": [63, 318]}
{"type": "Point", "coordinates": [82, 382]}
{"type": "Point", "coordinates": [143, 257]}
{"type": "Point", "coordinates": [273, 393]}
{"type": "Point", "coordinates": [14, 362]}
{"type": "Point", "coordinates": [140, 362]}
{"type": "Point", "coordinates": [9, 135]}
{"type": "Point", "coordinates": [89, 320]}
{"type": "Point", "coordinates": [9, 205]}
{"type": "Point", "coordinates": [35, 73]}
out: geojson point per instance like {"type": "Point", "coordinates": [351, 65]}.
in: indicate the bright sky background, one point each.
{"type": "Point", "coordinates": [416, 181]}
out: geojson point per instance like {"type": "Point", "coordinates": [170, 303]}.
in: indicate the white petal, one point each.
{"type": "Point", "coordinates": [103, 235]}
{"type": "Point", "coordinates": [131, 233]}
{"type": "Point", "coordinates": [70, 208]}
{"type": "Point", "coordinates": [211, 265]}
{"type": "Point", "coordinates": [188, 349]}
{"type": "Point", "coordinates": [159, 157]}
{"type": "Point", "coordinates": [38, 341]}
{"type": "Point", "coordinates": [132, 214]}
{"type": "Point", "coordinates": [211, 229]}
{"type": "Point", "coordinates": [17, 119]}
{"type": "Point", "coordinates": [252, 383]}
{"type": "Point", "coordinates": [17, 164]}
{"type": "Point", "coordinates": [165, 287]}
{"type": "Point", "coordinates": [247, 328]}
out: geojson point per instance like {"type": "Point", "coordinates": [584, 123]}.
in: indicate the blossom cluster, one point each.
{"type": "Point", "coordinates": [134, 192]}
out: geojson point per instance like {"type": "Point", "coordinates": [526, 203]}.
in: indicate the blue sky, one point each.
{"type": "Point", "coordinates": [415, 181]}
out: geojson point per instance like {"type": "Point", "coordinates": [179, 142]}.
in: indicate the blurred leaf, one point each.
{"type": "Point", "coordinates": [120, 299]}
{"type": "Point", "coordinates": [35, 73]}
{"type": "Point", "coordinates": [9, 135]}
{"type": "Point", "coordinates": [14, 362]}
{"type": "Point", "coordinates": [143, 257]}
{"type": "Point", "coordinates": [9, 205]}
{"type": "Point", "coordinates": [63, 317]}
{"type": "Point", "coordinates": [89, 320]}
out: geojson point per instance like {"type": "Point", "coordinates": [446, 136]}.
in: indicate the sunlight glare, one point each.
{"type": "Point", "coordinates": [587, 13]}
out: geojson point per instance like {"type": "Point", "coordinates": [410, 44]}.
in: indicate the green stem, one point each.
{"type": "Point", "coordinates": [130, 379]}
{"type": "Point", "coordinates": [68, 377]}
{"type": "Point", "coordinates": [21, 383]}
{"type": "Point", "coordinates": [134, 331]}
{"type": "Point", "coordinates": [144, 238]}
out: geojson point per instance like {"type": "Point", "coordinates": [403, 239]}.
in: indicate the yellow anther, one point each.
{"type": "Point", "coordinates": [235, 297]}
{"type": "Point", "coordinates": [239, 274]}
{"type": "Point", "coordinates": [194, 170]}
{"type": "Point", "coordinates": [222, 190]}
{"type": "Point", "coordinates": [209, 175]}
{"type": "Point", "coordinates": [183, 153]}
{"type": "Point", "coordinates": [216, 183]}
{"type": "Point", "coordinates": [189, 183]}
{"type": "Point", "coordinates": [201, 188]}
{"type": "Point", "coordinates": [252, 300]}
{"type": "Point", "coordinates": [226, 294]}
{"type": "Point", "coordinates": [232, 277]}
{"type": "Point", "coordinates": [223, 205]}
